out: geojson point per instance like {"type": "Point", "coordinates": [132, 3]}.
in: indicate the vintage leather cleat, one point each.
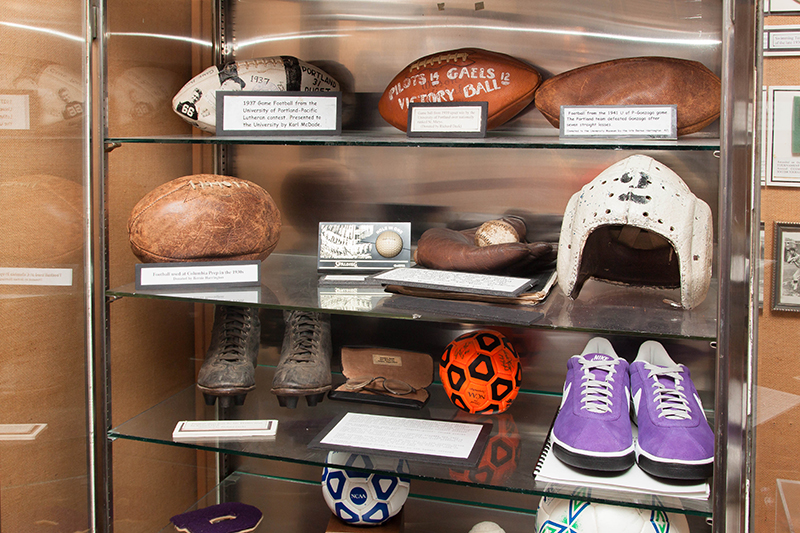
{"type": "Point", "coordinates": [229, 369]}
{"type": "Point", "coordinates": [304, 368]}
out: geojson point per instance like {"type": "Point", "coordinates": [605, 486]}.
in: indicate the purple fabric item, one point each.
{"type": "Point", "coordinates": [674, 439]}
{"type": "Point", "coordinates": [231, 517]}
{"type": "Point", "coordinates": [593, 429]}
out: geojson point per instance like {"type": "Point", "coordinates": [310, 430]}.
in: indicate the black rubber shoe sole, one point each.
{"type": "Point", "coordinates": [228, 397]}
{"type": "Point", "coordinates": [290, 399]}
{"type": "Point", "coordinates": [593, 462]}
{"type": "Point", "coordinates": [675, 470]}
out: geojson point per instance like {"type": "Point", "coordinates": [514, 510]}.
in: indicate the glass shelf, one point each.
{"type": "Point", "coordinates": [392, 137]}
{"type": "Point", "coordinates": [291, 281]}
{"type": "Point", "coordinates": [521, 432]}
{"type": "Point", "coordinates": [277, 499]}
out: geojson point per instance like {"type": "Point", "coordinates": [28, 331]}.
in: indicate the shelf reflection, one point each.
{"type": "Point", "coordinates": [292, 281]}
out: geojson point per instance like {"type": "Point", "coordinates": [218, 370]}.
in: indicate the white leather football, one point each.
{"type": "Point", "coordinates": [196, 102]}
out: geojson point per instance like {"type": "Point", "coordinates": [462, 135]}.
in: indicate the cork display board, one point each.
{"type": "Point", "coordinates": [778, 385]}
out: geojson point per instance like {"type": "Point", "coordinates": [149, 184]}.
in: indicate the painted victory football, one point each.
{"type": "Point", "coordinates": [463, 75]}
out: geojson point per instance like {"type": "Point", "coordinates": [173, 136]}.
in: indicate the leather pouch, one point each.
{"type": "Point", "coordinates": [363, 363]}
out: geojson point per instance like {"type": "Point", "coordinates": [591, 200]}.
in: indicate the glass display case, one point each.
{"type": "Point", "coordinates": [151, 344]}
{"type": "Point", "coordinates": [45, 262]}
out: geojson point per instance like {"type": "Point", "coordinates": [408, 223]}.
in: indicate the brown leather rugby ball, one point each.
{"type": "Point", "coordinates": [690, 85]}
{"type": "Point", "coordinates": [463, 75]}
{"type": "Point", "coordinates": [204, 217]}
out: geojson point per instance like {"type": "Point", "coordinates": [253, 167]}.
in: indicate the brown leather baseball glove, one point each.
{"type": "Point", "coordinates": [447, 249]}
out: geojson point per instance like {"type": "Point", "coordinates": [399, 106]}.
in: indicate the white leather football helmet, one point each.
{"type": "Point", "coordinates": [637, 223]}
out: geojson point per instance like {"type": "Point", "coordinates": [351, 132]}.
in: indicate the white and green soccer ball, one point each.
{"type": "Point", "coordinates": [559, 515]}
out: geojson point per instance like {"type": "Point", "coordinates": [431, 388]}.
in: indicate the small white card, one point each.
{"type": "Point", "coordinates": [278, 113]}
{"type": "Point", "coordinates": [15, 112]}
{"type": "Point", "coordinates": [781, 40]}
{"type": "Point", "coordinates": [20, 431]}
{"type": "Point", "coordinates": [212, 274]}
{"type": "Point", "coordinates": [42, 277]}
{"type": "Point", "coordinates": [647, 121]}
{"type": "Point", "coordinates": [352, 298]}
{"type": "Point", "coordinates": [455, 281]}
{"type": "Point", "coordinates": [233, 296]}
{"type": "Point", "coordinates": [451, 119]}
{"type": "Point", "coordinates": [224, 429]}
{"type": "Point", "coordinates": [355, 246]}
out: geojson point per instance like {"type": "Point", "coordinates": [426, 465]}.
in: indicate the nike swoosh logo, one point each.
{"type": "Point", "coordinates": [636, 398]}
{"type": "Point", "coordinates": [566, 394]}
{"type": "Point", "coordinates": [697, 399]}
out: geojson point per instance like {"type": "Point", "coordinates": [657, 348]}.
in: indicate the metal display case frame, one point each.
{"type": "Point", "coordinates": [736, 211]}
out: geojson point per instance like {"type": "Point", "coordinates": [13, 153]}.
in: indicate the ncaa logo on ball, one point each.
{"type": "Point", "coordinates": [358, 496]}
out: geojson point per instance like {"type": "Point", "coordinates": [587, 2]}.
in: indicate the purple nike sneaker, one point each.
{"type": "Point", "coordinates": [675, 440]}
{"type": "Point", "coordinates": [593, 429]}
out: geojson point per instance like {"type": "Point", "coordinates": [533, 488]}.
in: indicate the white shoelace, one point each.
{"type": "Point", "coordinates": [596, 394]}
{"type": "Point", "coordinates": [672, 403]}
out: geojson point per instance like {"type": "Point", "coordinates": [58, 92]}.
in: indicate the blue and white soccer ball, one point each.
{"type": "Point", "coordinates": [363, 498]}
{"type": "Point", "coordinates": [558, 515]}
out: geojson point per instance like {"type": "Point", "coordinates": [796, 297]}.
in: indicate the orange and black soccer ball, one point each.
{"type": "Point", "coordinates": [480, 372]}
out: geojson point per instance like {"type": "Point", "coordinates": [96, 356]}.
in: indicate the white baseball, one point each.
{"type": "Point", "coordinates": [486, 527]}
{"type": "Point", "coordinates": [389, 243]}
{"type": "Point", "coordinates": [495, 232]}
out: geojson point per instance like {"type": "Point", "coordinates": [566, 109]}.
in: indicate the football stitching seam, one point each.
{"type": "Point", "coordinates": [156, 200]}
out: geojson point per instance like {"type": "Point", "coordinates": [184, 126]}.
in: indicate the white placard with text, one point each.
{"type": "Point", "coordinates": [15, 112]}
{"type": "Point", "coordinates": [652, 122]}
{"type": "Point", "coordinates": [438, 438]}
{"type": "Point", "coordinates": [42, 277]}
{"type": "Point", "coordinates": [278, 113]}
{"type": "Point", "coordinates": [451, 119]}
{"type": "Point", "coordinates": [191, 275]}
{"type": "Point", "coordinates": [448, 280]}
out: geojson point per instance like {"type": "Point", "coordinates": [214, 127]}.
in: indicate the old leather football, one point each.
{"type": "Point", "coordinates": [204, 217]}
{"type": "Point", "coordinates": [637, 81]}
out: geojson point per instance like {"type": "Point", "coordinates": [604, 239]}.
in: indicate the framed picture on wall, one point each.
{"type": "Point", "coordinates": [786, 285]}
{"type": "Point", "coordinates": [772, 7]}
{"type": "Point", "coordinates": [765, 122]}
{"type": "Point", "coordinates": [783, 136]}
{"type": "Point", "coordinates": [762, 238]}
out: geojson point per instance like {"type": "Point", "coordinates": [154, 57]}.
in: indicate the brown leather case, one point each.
{"type": "Point", "coordinates": [415, 368]}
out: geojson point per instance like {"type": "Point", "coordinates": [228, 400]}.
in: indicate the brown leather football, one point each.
{"type": "Point", "coordinates": [204, 217]}
{"type": "Point", "coordinates": [690, 85]}
{"type": "Point", "coordinates": [463, 75]}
